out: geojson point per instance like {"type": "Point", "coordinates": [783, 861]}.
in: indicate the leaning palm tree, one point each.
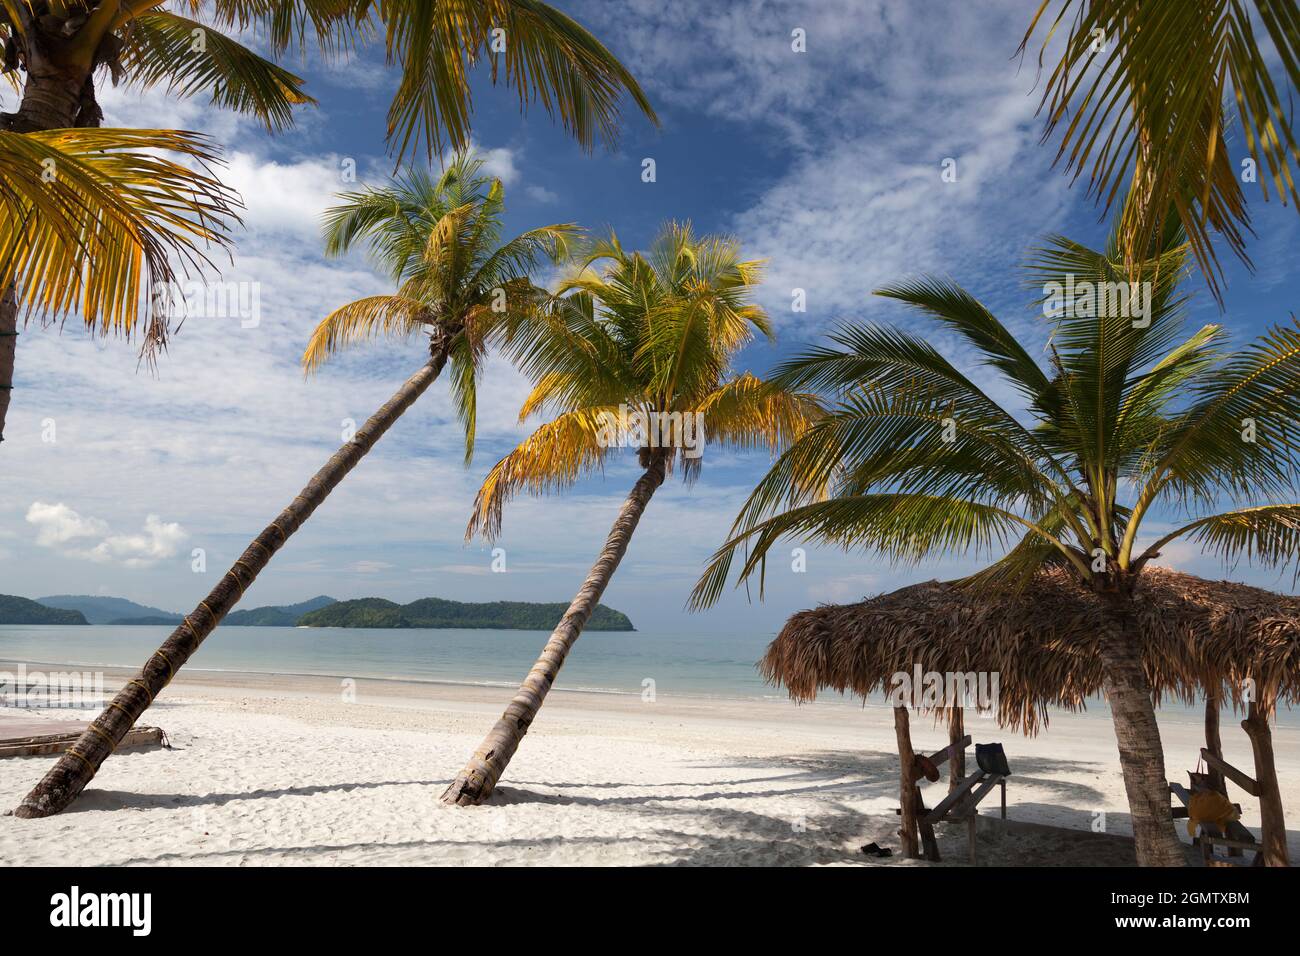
{"type": "Point", "coordinates": [56, 51]}
{"type": "Point", "coordinates": [634, 353]}
{"type": "Point", "coordinates": [439, 240]}
{"type": "Point", "coordinates": [1138, 92]}
{"type": "Point", "coordinates": [1129, 419]}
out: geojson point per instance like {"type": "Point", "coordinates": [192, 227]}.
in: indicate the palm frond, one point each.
{"type": "Point", "coordinates": [93, 222]}
{"type": "Point", "coordinates": [1137, 94]}
{"type": "Point", "coordinates": [359, 321]}
{"type": "Point", "coordinates": [550, 459]}
{"type": "Point", "coordinates": [548, 58]}
{"type": "Point", "coordinates": [193, 58]}
{"type": "Point", "coordinates": [1267, 535]}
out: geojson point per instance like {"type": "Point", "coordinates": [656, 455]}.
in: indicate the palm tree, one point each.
{"type": "Point", "coordinates": [1138, 92]}
{"type": "Point", "coordinates": [916, 458]}
{"type": "Point", "coordinates": [60, 47]}
{"type": "Point", "coordinates": [439, 239]}
{"type": "Point", "coordinates": [644, 339]}
{"type": "Point", "coordinates": [73, 196]}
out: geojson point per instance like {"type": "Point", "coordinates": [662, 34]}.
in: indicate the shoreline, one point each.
{"type": "Point", "coordinates": [272, 769]}
{"type": "Point", "coordinates": [218, 678]}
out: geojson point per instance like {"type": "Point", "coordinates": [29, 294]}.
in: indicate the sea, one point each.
{"type": "Point", "coordinates": [683, 663]}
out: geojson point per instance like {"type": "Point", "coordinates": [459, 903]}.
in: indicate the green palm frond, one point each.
{"type": "Point", "coordinates": [439, 238]}
{"type": "Point", "coordinates": [1267, 535]}
{"type": "Point", "coordinates": [548, 59]}
{"type": "Point", "coordinates": [963, 313]}
{"type": "Point", "coordinates": [191, 58]}
{"type": "Point", "coordinates": [628, 334]}
{"type": "Point", "coordinates": [904, 527]}
{"type": "Point", "coordinates": [1126, 410]}
{"type": "Point", "coordinates": [93, 221]}
{"type": "Point", "coordinates": [1238, 435]}
{"type": "Point", "coordinates": [1137, 94]}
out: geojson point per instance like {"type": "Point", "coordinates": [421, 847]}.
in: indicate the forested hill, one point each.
{"type": "Point", "coordinates": [19, 610]}
{"type": "Point", "coordinates": [437, 613]}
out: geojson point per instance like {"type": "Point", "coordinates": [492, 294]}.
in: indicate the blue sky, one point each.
{"type": "Point", "coordinates": [825, 163]}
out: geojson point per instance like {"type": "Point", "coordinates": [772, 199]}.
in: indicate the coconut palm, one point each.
{"type": "Point", "coordinates": [439, 240]}
{"type": "Point", "coordinates": [53, 50]}
{"type": "Point", "coordinates": [1138, 92]}
{"type": "Point", "coordinates": [77, 196]}
{"type": "Point", "coordinates": [628, 337]}
{"type": "Point", "coordinates": [56, 51]}
{"type": "Point", "coordinates": [915, 458]}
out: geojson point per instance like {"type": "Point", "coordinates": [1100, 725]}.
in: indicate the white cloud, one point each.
{"type": "Point", "coordinates": [541, 194]}
{"type": "Point", "coordinates": [58, 525]}
{"type": "Point", "coordinates": [157, 541]}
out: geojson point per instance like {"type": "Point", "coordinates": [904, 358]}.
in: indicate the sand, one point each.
{"type": "Point", "coordinates": [268, 770]}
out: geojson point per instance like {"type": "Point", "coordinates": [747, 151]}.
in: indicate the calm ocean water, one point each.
{"type": "Point", "coordinates": [692, 664]}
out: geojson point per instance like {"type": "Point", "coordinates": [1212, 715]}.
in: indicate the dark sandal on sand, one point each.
{"type": "Point", "coordinates": [873, 849]}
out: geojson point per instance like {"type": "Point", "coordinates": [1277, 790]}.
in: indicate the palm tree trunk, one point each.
{"type": "Point", "coordinates": [51, 100]}
{"type": "Point", "coordinates": [78, 765]}
{"type": "Point", "coordinates": [475, 783]}
{"type": "Point", "coordinates": [8, 347]}
{"type": "Point", "coordinates": [1141, 753]}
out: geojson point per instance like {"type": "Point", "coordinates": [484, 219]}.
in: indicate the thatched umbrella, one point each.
{"type": "Point", "coordinates": [1221, 640]}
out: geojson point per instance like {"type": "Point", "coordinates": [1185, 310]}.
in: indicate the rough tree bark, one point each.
{"type": "Point", "coordinates": [1141, 753]}
{"type": "Point", "coordinates": [1213, 743]}
{"type": "Point", "coordinates": [475, 782]}
{"type": "Point", "coordinates": [78, 765]}
{"type": "Point", "coordinates": [8, 349]}
{"type": "Point", "coordinates": [957, 759]}
{"type": "Point", "coordinates": [907, 792]}
{"type": "Point", "coordinates": [1272, 822]}
{"type": "Point", "coordinates": [54, 97]}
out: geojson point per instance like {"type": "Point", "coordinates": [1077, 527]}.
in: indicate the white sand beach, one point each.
{"type": "Point", "coordinates": [269, 770]}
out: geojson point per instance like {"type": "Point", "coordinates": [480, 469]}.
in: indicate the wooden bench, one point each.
{"type": "Point", "coordinates": [1237, 839]}
{"type": "Point", "coordinates": [962, 801]}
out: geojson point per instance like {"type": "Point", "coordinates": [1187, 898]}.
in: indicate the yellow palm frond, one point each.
{"type": "Point", "coordinates": [386, 315]}
{"type": "Point", "coordinates": [750, 413]}
{"type": "Point", "coordinates": [92, 222]}
{"type": "Point", "coordinates": [553, 457]}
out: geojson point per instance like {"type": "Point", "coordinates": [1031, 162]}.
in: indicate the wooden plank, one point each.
{"type": "Point", "coordinates": [1232, 773]}
{"type": "Point", "coordinates": [58, 743]}
{"type": "Point", "coordinates": [1229, 842]}
{"type": "Point", "coordinates": [947, 803]}
{"type": "Point", "coordinates": [939, 757]}
{"type": "Point", "coordinates": [989, 783]}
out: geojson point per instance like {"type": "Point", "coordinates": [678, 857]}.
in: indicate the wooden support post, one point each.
{"type": "Point", "coordinates": [908, 795]}
{"type": "Point", "coordinates": [1272, 822]}
{"type": "Point", "coordinates": [957, 760]}
{"type": "Point", "coordinates": [1212, 742]}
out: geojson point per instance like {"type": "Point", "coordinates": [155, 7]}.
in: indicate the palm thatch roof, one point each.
{"type": "Point", "coordinates": [1197, 637]}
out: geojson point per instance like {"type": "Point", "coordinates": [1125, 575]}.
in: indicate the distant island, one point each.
{"type": "Point", "coordinates": [437, 613]}
{"type": "Point", "coordinates": [320, 611]}
{"type": "Point", "coordinates": [276, 615]}
{"type": "Point", "coordinates": [98, 609]}
{"type": "Point", "coordinates": [19, 610]}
